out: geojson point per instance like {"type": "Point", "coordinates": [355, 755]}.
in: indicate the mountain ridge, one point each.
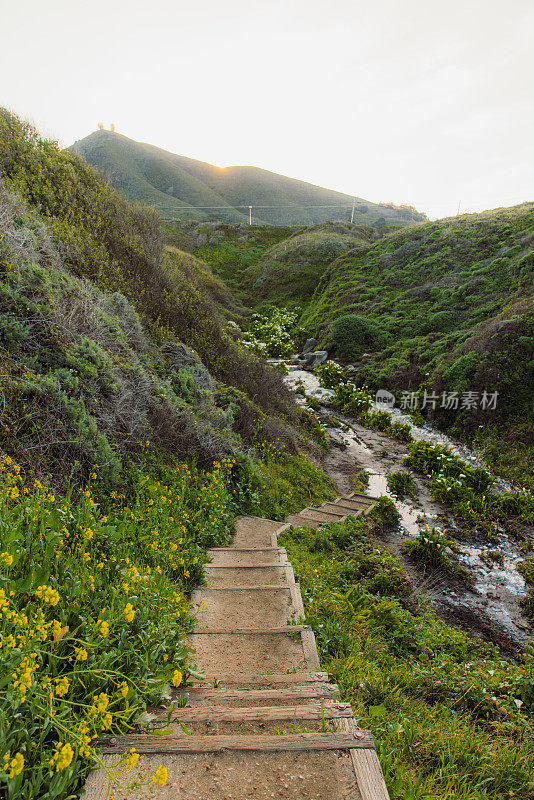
{"type": "Point", "coordinates": [185, 188]}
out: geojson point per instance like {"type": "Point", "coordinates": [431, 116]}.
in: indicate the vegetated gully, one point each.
{"type": "Point", "coordinates": [491, 607]}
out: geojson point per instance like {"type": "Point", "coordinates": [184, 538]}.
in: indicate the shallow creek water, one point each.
{"type": "Point", "coordinates": [492, 607]}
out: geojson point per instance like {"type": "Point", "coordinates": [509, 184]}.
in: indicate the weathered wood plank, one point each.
{"type": "Point", "coordinates": [287, 629]}
{"type": "Point", "coordinates": [310, 648]}
{"type": "Point", "coordinates": [146, 744]}
{"type": "Point", "coordinates": [369, 776]}
{"type": "Point", "coordinates": [267, 679]}
{"type": "Point", "coordinates": [295, 693]}
{"type": "Point", "coordinates": [313, 711]}
{"type": "Point", "coordinates": [283, 587]}
{"type": "Point", "coordinates": [320, 515]}
{"type": "Point", "coordinates": [246, 550]}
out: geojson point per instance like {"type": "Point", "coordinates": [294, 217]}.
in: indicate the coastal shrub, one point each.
{"type": "Point", "coordinates": [331, 375]}
{"type": "Point", "coordinates": [353, 335]}
{"type": "Point", "coordinates": [269, 335]}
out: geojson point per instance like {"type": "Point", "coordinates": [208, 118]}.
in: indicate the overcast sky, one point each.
{"type": "Point", "coordinates": [411, 101]}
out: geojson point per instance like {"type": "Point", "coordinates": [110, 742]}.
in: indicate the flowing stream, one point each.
{"type": "Point", "coordinates": [490, 608]}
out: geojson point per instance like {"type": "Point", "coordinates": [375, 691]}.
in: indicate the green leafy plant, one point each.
{"type": "Point", "coordinates": [401, 484]}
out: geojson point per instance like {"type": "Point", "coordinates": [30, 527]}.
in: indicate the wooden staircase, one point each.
{"type": "Point", "coordinates": [265, 722]}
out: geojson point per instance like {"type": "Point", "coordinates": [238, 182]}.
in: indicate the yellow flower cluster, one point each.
{"type": "Point", "coordinates": [62, 686]}
{"type": "Point", "coordinates": [13, 766]}
{"type": "Point", "coordinates": [6, 559]}
{"type": "Point", "coordinates": [62, 757]}
{"type": "Point", "coordinates": [23, 677]}
{"type": "Point", "coordinates": [160, 776]}
{"type": "Point", "coordinates": [132, 759]}
{"type": "Point", "coordinates": [129, 612]}
{"type": "Point", "coordinates": [49, 595]}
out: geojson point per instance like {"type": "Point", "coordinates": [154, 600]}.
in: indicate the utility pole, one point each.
{"type": "Point", "coordinates": [353, 207]}
{"type": "Point", "coordinates": [250, 215]}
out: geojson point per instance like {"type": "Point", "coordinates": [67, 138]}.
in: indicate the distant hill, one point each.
{"type": "Point", "coordinates": [177, 186]}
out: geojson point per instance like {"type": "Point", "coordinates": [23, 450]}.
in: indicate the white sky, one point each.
{"type": "Point", "coordinates": [417, 101]}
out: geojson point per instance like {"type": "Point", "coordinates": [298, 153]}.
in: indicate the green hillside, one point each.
{"type": "Point", "coordinates": [175, 185]}
{"type": "Point", "coordinates": [285, 270]}
{"type": "Point", "coordinates": [449, 308]}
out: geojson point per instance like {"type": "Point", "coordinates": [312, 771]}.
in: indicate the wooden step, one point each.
{"type": "Point", "coordinates": [245, 649]}
{"type": "Point", "coordinates": [345, 511]}
{"type": "Point", "coordinates": [320, 515]}
{"type": "Point", "coordinates": [274, 695]}
{"type": "Point", "coordinates": [258, 681]}
{"type": "Point", "coordinates": [239, 775]}
{"type": "Point", "coordinates": [237, 557]}
{"type": "Point", "coordinates": [310, 711]}
{"type": "Point", "coordinates": [257, 532]}
{"type": "Point", "coordinates": [145, 743]}
{"type": "Point", "coordinates": [357, 501]}
{"type": "Point", "coordinates": [331, 508]}
{"type": "Point", "coordinates": [296, 521]}
{"type": "Point", "coordinates": [278, 575]}
{"type": "Point", "coordinates": [255, 606]}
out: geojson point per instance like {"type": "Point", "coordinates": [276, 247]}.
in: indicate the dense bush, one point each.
{"type": "Point", "coordinates": [353, 335]}
{"type": "Point", "coordinates": [270, 335]}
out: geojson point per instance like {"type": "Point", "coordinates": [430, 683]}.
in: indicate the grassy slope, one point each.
{"type": "Point", "coordinates": [121, 247]}
{"type": "Point", "coordinates": [451, 719]}
{"type": "Point", "coordinates": [151, 175]}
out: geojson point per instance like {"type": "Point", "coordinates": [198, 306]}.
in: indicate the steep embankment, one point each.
{"type": "Point", "coordinates": [179, 185]}
{"type": "Point", "coordinates": [101, 237]}
{"type": "Point", "coordinates": [447, 306]}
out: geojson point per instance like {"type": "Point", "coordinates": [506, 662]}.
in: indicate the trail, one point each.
{"type": "Point", "coordinates": [265, 722]}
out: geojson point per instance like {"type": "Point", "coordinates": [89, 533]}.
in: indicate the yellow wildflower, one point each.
{"type": "Point", "coordinates": [104, 628]}
{"type": "Point", "coordinates": [123, 689]}
{"type": "Point", "coordinates": [160, 776]}
{"type": "Point", "coordinates": [62, 757]}
{"type": "Point", "coordinates": [49, 595]}
{"type": "Point", "coordinates": [132, 759]}
{"type": "Point", "coordinates": [106, 722]}
{"type": "Point", "coordinates": [81, 654]}
{"type": "Point", "coordinates": [6, 559]}
{"type": "Point", "coordinates": [62, 686]}
{"type": "Point", "coordinates": [176, 678]}
{"type": "Point", "coordinates": [129, 612]}
{"type": "Point", "coordinates": [16, 765]}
